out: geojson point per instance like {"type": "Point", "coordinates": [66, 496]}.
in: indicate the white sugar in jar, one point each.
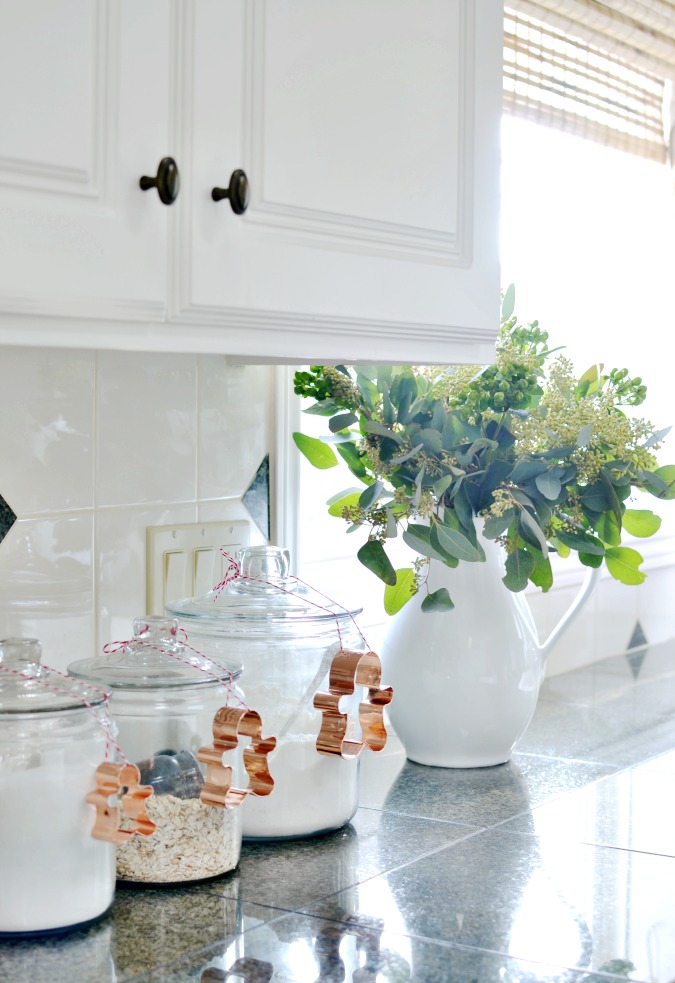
{"type": "Point", "coordinates": [55, 876]}
{"type": "Point", "coordinates": [313, 794]}
{"type": "Point", "coordinates": [289, 638]}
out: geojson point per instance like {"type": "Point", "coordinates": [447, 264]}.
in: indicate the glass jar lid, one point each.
{"type": "Point", "coordinates": [262, 597]}
{"type": "Point", "coordinates": [26, 686]}
{"type": "Point", "coordinates": [155, 657]}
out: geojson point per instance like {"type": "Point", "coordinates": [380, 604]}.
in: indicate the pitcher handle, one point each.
{"type": "Point", "coordinates": [585, 591]}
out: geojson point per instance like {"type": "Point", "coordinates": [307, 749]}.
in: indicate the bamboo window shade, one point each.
{"type": "Point", "coordinates": [599, 70]}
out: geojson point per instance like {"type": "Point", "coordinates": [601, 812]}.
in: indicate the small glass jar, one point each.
{"type": "Point", "coordinates": [287, 636]}
{"type": "Point", "coordinates": [54, 733]}
{"type": "Point", "coordinates": [163, 698]}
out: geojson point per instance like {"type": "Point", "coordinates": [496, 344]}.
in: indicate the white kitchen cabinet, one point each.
{"type": "Point", "coordinates": [369, 133]}
{"type": "Point", "coordinates": [84, 114]}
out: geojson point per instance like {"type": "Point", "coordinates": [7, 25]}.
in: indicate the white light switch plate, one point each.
{"type": "Point", "coordinates": [185, 560]}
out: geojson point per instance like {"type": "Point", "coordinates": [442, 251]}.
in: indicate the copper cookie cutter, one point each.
{"type": "Point", "coordinates": [348, 670]}
{"type": "Point", "coordinates": [228, 724]}
{"type": "Point", "coordinates": [111, 778]}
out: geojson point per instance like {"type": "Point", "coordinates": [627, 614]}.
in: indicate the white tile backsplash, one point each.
{"type": "Point", "coordinates": [146, 428]}
{"type": "Point", "coordinates": [47, 435]}
{"type": "Point", "coordinates": [47, 577]}
{"type": "Point", "coordinates": [96, 446]}
{"type": "Point", "coordinates": [234, 411]}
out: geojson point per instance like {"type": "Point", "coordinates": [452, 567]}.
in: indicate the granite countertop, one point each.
{"type": "Point", "coordinates": [558, 866]}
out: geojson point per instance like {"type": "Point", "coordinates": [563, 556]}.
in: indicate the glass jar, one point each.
{"type": "Point", "coordinates": [287, 636]}
{"type": "Point", "coordinates": [54, 733]}
{"type": "Point", "coordinates": [164, 697]}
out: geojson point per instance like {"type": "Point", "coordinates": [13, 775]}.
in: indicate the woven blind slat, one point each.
{"type": "Point", "coordinates": [641, 33]}
{"type": "Point", "coordinates": [565, 81]}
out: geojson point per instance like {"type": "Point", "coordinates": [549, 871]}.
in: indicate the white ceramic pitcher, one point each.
{"type": "Point", "coordinates": [466, 681]}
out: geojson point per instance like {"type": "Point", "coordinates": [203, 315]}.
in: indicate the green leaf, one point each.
{"type": "Point", "coordinates": [584, 435]}
{"type": "Point", "coordinates": [440, 552]}
{"type": "Point", "coordinates": [318, 454]}
{"type": "Point", "coordinates": [391, 529]}
{"type": "Point", "coordinates": [438, 416]}
{"type": "Point", "coordinates": [406, 457]}
{"type": "Point", "coordinates": [343, 494]}
{"type": "Point", "coordinates": [403, 391]}
{"type": "Point", "coordinates": [372, 426]}
{"type": "Point", "coordinates": [641, 522]}
{"type": "Point", "coordinates": [525, 470]}
{"type": "Point", "coordinates": [383, 377]}
{"type": "Point", "coordinates": [336, 438]}
{"type": "Point", "coordinates": [373, 557]}
{"type": "Point", "coordinates": [589, 382]}
{"type": "Point", "coordinates": [667, 475]}
{"type": "Point", "coordinates": [549, 485]}
{"type": "Point", "coordinates": [367, 388]}
{"type": "Point", "coordinates": [418, 538]}
{"type": "Point", "coordinates": [417, 494]}
{"type": "Point", "coordinates": [442, 484]}
{"type": "Point", "coordinates": [398, 594]}
{"type": "Point", "coordinates": [581, 542]}
{"type": "Point", "coordinates": [351, 456]}
{"type": "Point", "coordinates": [596, 497]}
{"type": "Point", "coordinates": [346, 502]}
{"type": "Point", "coordinates": [614, 502]}
{"type": "Point", "coordinates": [542, 575]}
{"type": "Point", "coordinates": [657, 437]}
{"type": "Point", "coordinates": [456, 544]}
{"type": "Point", "coordinates": [430, 440]}
{"type": "Point", "coordinates": [495, 525]}
{"type": "Point", "coordinates": [528, 525]}
{"type": "Point", "coordinates": [388, 411]}
{"type": "Point", "coordinates": [325, 408]}
{"type": "Point", "coordinates": [519, 567]}
{"type": "Point", "coordinates": [438, 600]}
{"type": "Point", "coordinates": [608, 529]}
{"type": "Point", "coordinates": [342, 421]}
{"type": "Point", "coordinates": [623, 562]}
{"type": "Point", "coordinates": [370, 495]}
{"type": "Point", "coordinates": [449, 519]}
{"type": "Point", "coordinates": [508, 302]}
{"type": "Point", "coordinates": [590, 560]}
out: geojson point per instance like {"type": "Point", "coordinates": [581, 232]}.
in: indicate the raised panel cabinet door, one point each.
{"type": "Point", "coordinates": [85, 96]}
{"type": "Point", "coordinates": [369, 134]}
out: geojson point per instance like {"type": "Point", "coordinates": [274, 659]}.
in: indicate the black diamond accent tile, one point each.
{"type": "Point", "coordinates": [638, 642]}
{"type": "Point", "coordinates": [7, 518]}
{"type": "Point", "coordinates": [256, 498]}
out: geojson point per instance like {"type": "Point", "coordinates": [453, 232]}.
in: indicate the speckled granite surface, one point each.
{"type": "Point", "coordinates": [559, 866]}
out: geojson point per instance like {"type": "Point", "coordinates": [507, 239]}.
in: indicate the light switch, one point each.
{"type": "Point", "coordinates": [175, 562]}
{"type": "Point", "coordinates": [204, 572]}
{"type": "Point", "coordinates": [185, 560]}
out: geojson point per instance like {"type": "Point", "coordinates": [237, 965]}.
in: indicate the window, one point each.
{"type": "Point", "coordinates": [588, 238]}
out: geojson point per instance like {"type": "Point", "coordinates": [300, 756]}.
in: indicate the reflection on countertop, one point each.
{"type": "Point", "coordinates": [558, 866]}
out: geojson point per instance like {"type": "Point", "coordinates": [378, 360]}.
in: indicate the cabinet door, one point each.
{"type": "Point", "coordinates": [369, 133]}
{"type": "Point", "coordinates": [84, 112]}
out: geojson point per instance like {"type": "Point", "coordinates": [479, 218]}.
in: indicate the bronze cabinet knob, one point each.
{"type": "Point", "coordinates": [167, 181]}
{"type": "Point", "coordinates": [237, 192]}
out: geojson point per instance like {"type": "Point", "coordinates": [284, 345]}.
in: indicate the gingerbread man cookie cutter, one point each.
{"type": "Point", "coordinates": [348, 670]}
{"type": "Point", "coordinates": [228, 724]}
{"type": "Point", "coordinates": [111, 778]}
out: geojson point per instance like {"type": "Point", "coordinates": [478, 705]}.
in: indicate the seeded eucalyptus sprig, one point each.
{"type": "Point", "coordinates": [547, 460]}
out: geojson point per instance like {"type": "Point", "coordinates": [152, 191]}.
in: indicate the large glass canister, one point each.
{"type": "Point", "coordinates": [54, 733]}
{"type": "Point", "coordinates": [164, 698]}
{"type": "Point", "coordinates": [306, 664]}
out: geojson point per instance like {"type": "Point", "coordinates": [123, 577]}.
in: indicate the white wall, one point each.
{"type": "Point", "coordinates": [94, 447]}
